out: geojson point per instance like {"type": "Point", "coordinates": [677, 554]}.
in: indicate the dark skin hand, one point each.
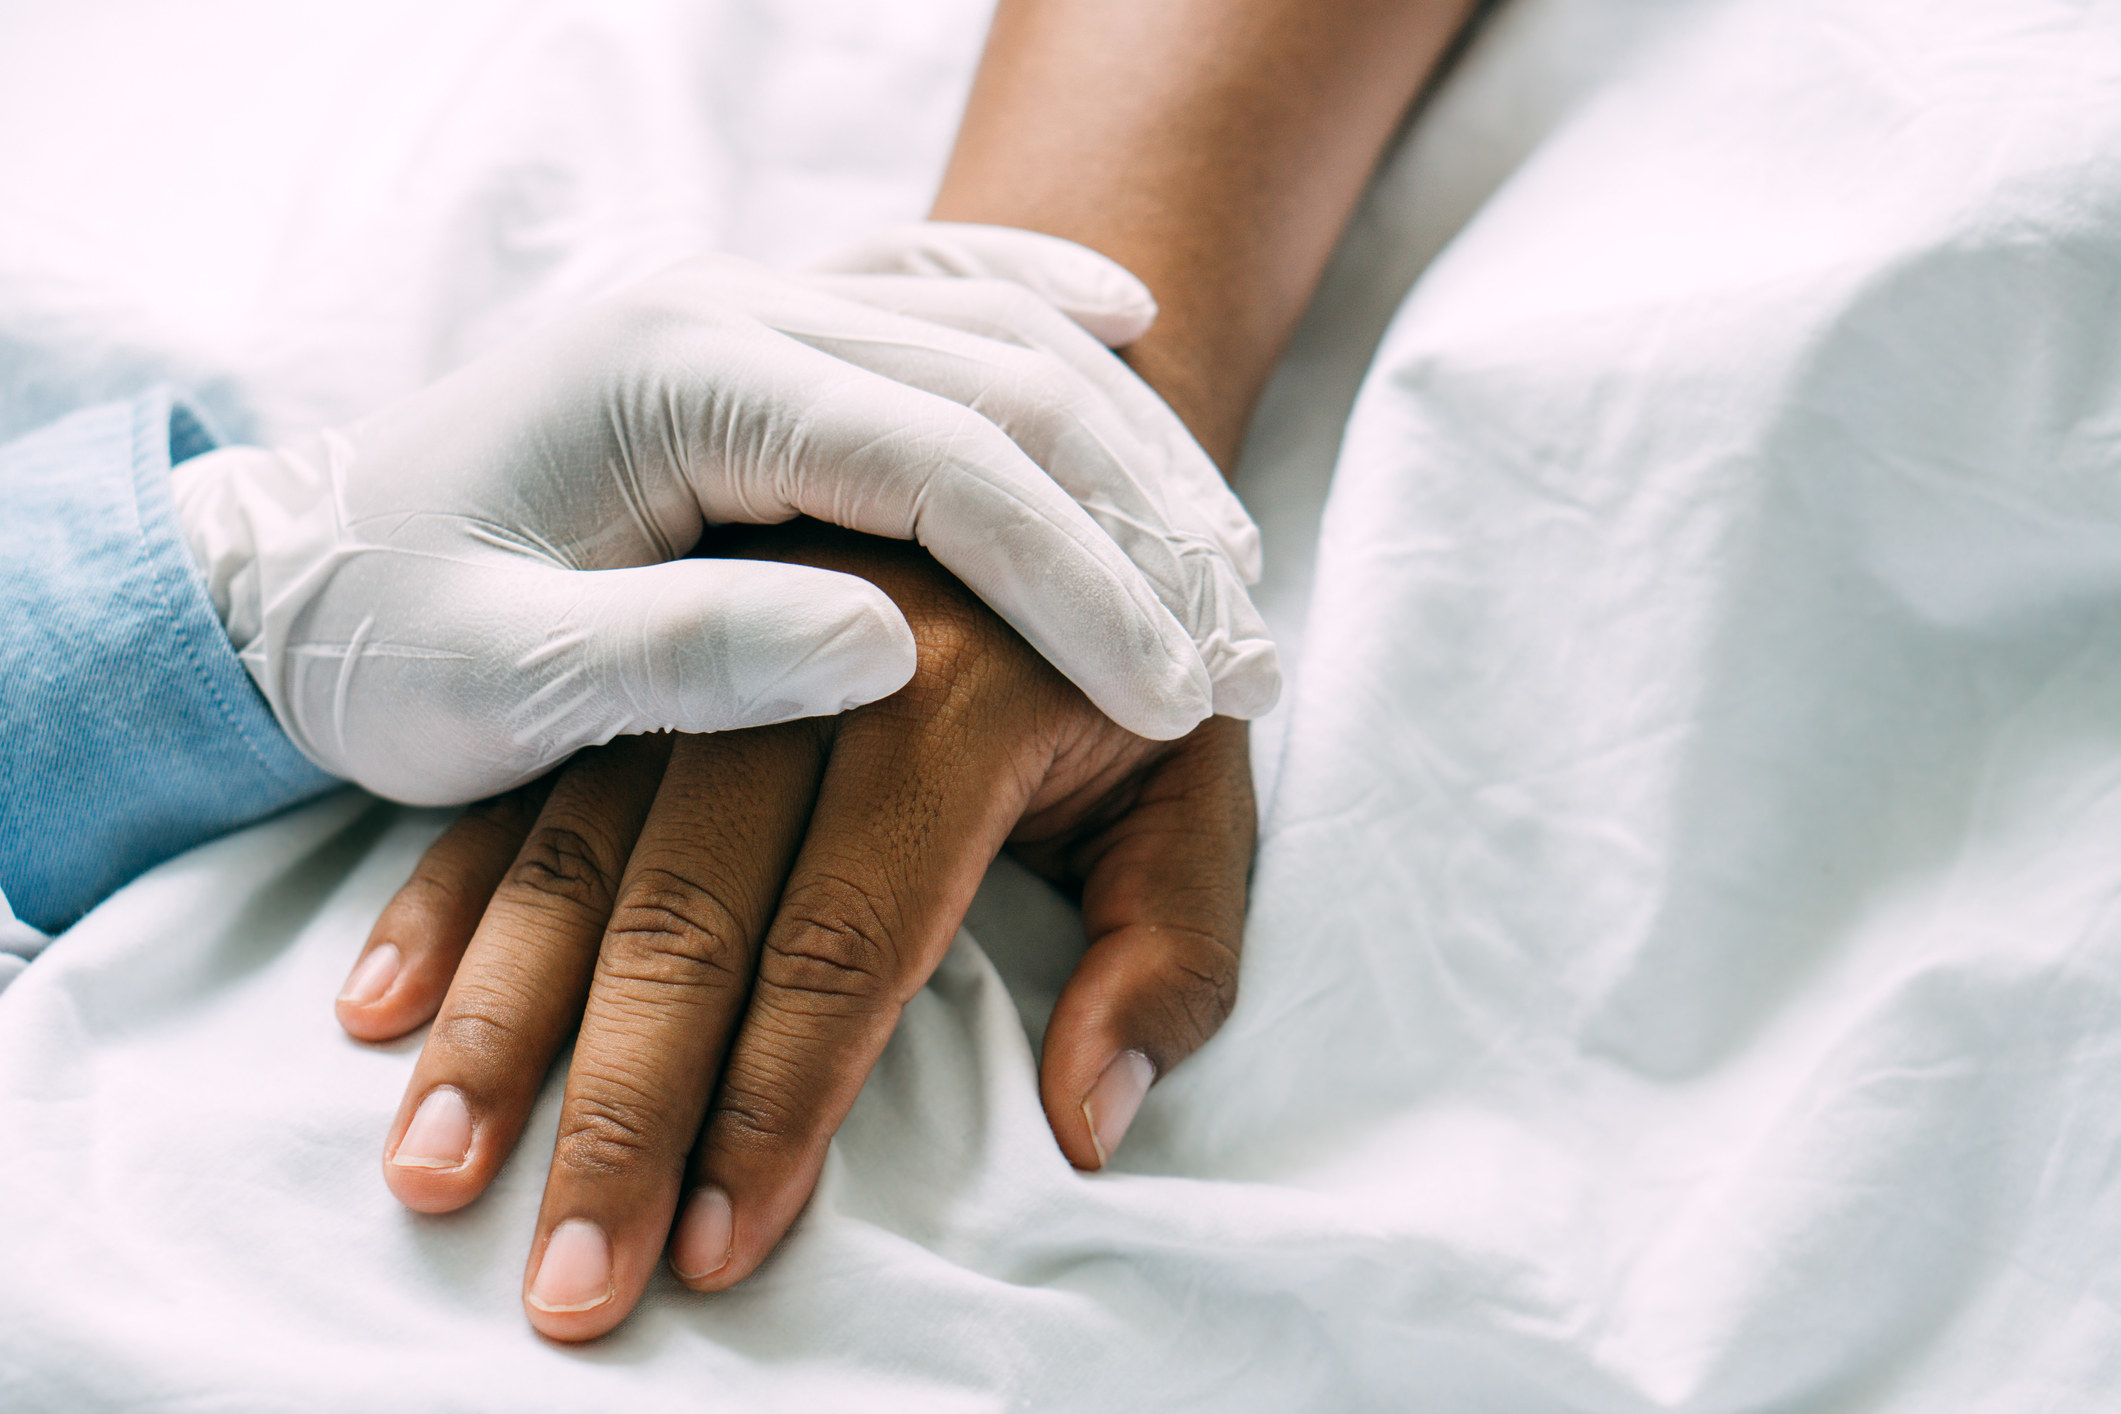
{"type": "Point", "coordinates": [737, 920]}
{"type": "Point", "coordinates": [1216, 148]}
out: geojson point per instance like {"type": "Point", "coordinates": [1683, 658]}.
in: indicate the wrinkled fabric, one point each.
{"type": "Point", "coordinates": [1682, 972]}
{"type": "Point", "coordinates": [128, 731]}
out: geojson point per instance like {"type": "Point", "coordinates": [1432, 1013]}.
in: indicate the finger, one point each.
{"type": "Point", "coordinates": [902, 832]}
{"type": "Point", "coordinates": [1095, 292]}
{"type": "Point", "coordinates": [703, 645]}
{"type": "Point", "coordinates": [1164, 907]}
{"type": "Point", "coordinates": [671, 980]}
{"type": "Point", "coordinates": [398, 981]}
{"type": "Point", "coordinates": [519, 987]}
{"type": "Point", "coordinates": [870, 451]}
{"type": "Point", "coordinates": [891, 459]}
{"type": "Point", "coordinates": [1107, 440]}
{"type": "Point", "coordinates": [575, 658]}
{"type": "Point", "coordinates": [1003, 311]}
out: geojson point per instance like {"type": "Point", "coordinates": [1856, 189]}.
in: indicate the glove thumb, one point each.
{"type": "Point", "coordinates": [692, 646]}
{"type": "Point", "coordinates": [1098, 293]}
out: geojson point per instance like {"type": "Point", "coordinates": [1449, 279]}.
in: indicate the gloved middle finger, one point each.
{"type": "Point", "coordinates": [1195, 492]}
{"type": "Point", "coordinates": [1101, 435]}
{"type": "Point", "coordinates": [878, 455]}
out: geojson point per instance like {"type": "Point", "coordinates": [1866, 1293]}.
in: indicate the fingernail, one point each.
{"type": "Point", "coordinates": [372, 975]}
{"type": "Point", "coordinates": [1112, 1101]}
{"type": "Point", "coordinates": [706, 1234]}
{"type": "Point", "coordinates": [575, 1273]}
{"type": "Point", "coordinates": [440, 1133]}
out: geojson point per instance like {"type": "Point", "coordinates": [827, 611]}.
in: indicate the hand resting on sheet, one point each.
{"type": "Point", "coordinates": [747, 913]}
{"type": "Point", "coordinates": [736, 920]}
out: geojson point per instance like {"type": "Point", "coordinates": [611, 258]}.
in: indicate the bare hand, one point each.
{"type": "Point", "coordinates": [736, 921]}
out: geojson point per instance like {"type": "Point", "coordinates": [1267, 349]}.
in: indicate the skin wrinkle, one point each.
{"type": "Point", "coordinates": [691, 960]}
{"type": "Point", "coordinates": [778, 1001]}
{"type": "Point", "coordinates": [628, 1016]}
{"type": "Point", "coordinates": [1205, 1006]}
{"type": "Point", "coordinates": [821, 957]}
{"type": "Point", "coordinates": [524, 912]}
{"type": "Point", "coordinates": [657, 942]}
{"type": "Point", "coordinates": [858, 930]}
{"type": "Point", "coordinates": [747, 1117]}
{"type": "Point", "coordinates": [562, 864]}
{"type": "Point", "coordinates": [1215, 150]}
{"type": "Point", "coordinates": [432, 884]}
{"type": "Point", "coordinates": [611, 1137]}
{"type": "Point", "coordinates": [777, 1047]}
{"type": "Point", "coordinates": [481, 1025]}
{"type": "Point", "coordinates": [828, 901]}
{"type": "Point", "coordinates": [668, 887]}
{"type": "Point", "coordinates": [450, 887]}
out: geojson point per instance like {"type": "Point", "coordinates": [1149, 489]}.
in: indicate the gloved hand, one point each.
{"type": "Point", "coordinates": [1161, 498]}
{"type": "Point", "coordinates": [444, 599]}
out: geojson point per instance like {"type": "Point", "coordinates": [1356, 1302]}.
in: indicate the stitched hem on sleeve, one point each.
{"type": "Point", "coordinates": [169, 428]}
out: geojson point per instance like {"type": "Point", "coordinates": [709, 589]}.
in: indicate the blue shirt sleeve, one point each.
{"type": "Point", "coordinates": [129, 731]}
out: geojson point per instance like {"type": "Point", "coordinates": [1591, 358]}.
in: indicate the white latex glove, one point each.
{"type": "Point", "coordinates": [1158, 495]}
{"type": "Point", "coordinates": [444, 599]}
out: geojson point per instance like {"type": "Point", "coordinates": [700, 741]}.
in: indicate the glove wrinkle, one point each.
{"type": "Point", "coordinates": [498, 555]}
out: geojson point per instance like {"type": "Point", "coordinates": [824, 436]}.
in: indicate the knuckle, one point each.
{"type": "Point", "coordinates": [957, 651]}
{"type": "Point", "coordinates": [564, 866]}
{"type": "Point", "coordinates": [836, 944]}
{"type": "Point", "coordinates": [506, 816]}
{"type": "Point", "coordinates": [671, 931]}
{"type": "Point", "coordinates": [433, 893]}
{"type": "Point", "coordinates": [611, 1128]}
{"type": "Point", "coordinates": [751, 1116]}
{"type": "Point", "coordinates": [1203, 987]}
{"type": "Point", "coordinates": [479, 1026]}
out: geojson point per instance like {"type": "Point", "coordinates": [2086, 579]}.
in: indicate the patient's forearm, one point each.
{"type": "Point", "coordinates": [1214, 147]}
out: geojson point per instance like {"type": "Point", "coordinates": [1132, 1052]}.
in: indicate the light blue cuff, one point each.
{"type": "Point", "coordinates": [129, 732]}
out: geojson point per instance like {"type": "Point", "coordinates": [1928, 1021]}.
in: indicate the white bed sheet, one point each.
{"type": "Point", "coordinates": [1684, 971]}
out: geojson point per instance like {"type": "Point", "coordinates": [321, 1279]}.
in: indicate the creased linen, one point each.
{"type": "Point", "coordinates": [1682, 972]}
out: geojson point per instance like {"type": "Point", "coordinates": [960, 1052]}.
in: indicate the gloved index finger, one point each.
{"type": "Point", "coordinates": [874, 454]}
{"type": "Point", "coordinates": [1194, 492]}
{"type": "Point", "coordinates": [1131, 466]}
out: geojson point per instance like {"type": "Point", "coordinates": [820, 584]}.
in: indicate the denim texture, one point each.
{"type": "Point", "coordinates": [129, 731]}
